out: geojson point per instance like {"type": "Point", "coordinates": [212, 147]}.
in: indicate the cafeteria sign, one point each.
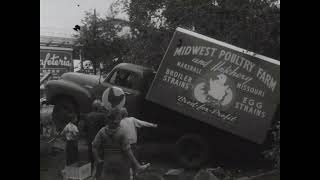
{"type": "Point", "coordinates": [217, 83]}
{"type": "Point", "coordinates": [56, 62]}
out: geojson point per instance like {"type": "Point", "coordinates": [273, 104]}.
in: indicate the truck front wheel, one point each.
{"type": "Point", "coordinates": [192, 150]}
{"type": "Point", "coordinates": [61, 109]}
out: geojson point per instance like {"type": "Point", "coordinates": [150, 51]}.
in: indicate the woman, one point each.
{"type": "Point", "coordinates": [118, 156]}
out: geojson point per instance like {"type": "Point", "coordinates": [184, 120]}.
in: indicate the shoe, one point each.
{"type": "Point", "coordinates": [142, 168]}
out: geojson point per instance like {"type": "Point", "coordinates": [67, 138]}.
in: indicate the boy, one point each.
{"type": "Point", "coordinates": [71, 133]}
{"type": "Point", "coordinates": [129, 126]}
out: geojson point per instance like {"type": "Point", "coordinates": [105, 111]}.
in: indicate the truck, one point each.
{"type": "Point", "coordinates": [210, 99]}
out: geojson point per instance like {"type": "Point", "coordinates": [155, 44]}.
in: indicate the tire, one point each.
{"type": "Point", "coordinates": [61, 108]}
{"type": "Point", "coordinates": [192, 150]}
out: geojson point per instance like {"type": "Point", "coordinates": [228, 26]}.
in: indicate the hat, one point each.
{"type": "Point", "coordinates": [113, 97]}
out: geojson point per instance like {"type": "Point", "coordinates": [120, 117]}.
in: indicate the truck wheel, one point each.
{"type": "Point", "coordinates": [60, 111]}
{"type": "Point", "coordinates": [192, 150]}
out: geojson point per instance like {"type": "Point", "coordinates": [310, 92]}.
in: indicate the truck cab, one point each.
{"type": "Point", "coordinates": [134, 80]}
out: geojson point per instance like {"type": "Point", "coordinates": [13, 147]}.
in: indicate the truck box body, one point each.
{"type": "Point", "coordinates": [219, 84]}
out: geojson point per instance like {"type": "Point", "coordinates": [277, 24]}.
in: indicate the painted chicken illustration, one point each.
{"type": "Point", "coordinates": [113, 99]}
{"type": "Point", "coordinates": [218, 88]}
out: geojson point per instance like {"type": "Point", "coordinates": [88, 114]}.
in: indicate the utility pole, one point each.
{"type": "Point", "coordinates": [81, 60]}
{"type": "Point", "coordinates": [94, 40]}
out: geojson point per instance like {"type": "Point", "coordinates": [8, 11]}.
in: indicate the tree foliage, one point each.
{"type": "Point", "coordinates": [99, 40]}
{"type": "Point", "coordinates": [249, 24]}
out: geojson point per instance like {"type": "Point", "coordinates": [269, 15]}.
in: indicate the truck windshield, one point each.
{"type": "Point", "coordinates": [125, 79]}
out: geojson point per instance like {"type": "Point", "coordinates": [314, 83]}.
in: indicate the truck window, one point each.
{"type": "Point", "coordinates": [148, 80]}
{"type": "Point", "coordinates": [125, 79]}
{"type": "Point", "coordinates": [113, 78]}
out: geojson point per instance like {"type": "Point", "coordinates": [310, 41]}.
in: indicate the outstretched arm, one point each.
{"type": "Point", "coordinates": [138, 123]}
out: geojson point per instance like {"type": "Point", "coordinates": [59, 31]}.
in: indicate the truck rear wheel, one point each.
{"type": "Point", "coordinates": [60, 111]}
{"type": "Point", "coordinates": [192, 150]}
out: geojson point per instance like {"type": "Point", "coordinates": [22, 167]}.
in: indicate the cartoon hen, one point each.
{"type": "Point", "coordinates": [218, 88]}
{"type": "Point", "coordinates": [113, 99]}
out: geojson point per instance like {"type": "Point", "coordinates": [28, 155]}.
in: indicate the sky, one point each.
{"type": "Point", "coordinates": [58, 17]}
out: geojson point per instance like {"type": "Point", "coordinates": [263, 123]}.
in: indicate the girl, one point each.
{"type": "Point", "coordinates": [118, 156]}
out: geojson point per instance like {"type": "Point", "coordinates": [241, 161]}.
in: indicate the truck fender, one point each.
{"type": "Point", "coordinates": [80, 95]}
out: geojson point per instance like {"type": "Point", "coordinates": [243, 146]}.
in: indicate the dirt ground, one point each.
{"type": "Point", "coordinates": [52, 164]}
{"type": "Point", "coordinates": [158, 155]}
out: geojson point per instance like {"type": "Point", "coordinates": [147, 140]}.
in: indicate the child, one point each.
{"type": "Point", "coordinates": [46, 124]}
{"type": "Point", "coordinates": [117, 157]}
{"type": "Point", "coordinates": [95, 120]}
{"type": "Point", "coordinates": [71, 133]}
{"type": "Point", "coordinates": [130, 125]}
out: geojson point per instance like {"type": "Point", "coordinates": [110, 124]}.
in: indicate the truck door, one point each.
{"type": "Point", "coordinates": [130, 83]}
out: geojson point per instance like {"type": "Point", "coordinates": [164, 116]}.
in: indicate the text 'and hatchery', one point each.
{"type": "Point", "coordinates": [228, 63]}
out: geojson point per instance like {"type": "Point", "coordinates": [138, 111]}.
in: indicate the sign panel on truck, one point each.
{"type": "Point", "coordinates": [55, 60]}
{"type": "Point", "coordinates": [218, 83]}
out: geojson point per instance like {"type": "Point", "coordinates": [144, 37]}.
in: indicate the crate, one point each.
{"type": "Point", "coordinates": [78, 171]}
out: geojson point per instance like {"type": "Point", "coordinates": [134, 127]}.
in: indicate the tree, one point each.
{"type": "Point", "coordinates": [250, 24]}
{"type": "Point", "coordinates": [100, 40]}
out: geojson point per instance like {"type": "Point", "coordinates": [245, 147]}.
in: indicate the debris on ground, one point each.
{"type": "Point", "coordinates": [205, 174]}
{"type": "Point", "coordinates": [174, 172]}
